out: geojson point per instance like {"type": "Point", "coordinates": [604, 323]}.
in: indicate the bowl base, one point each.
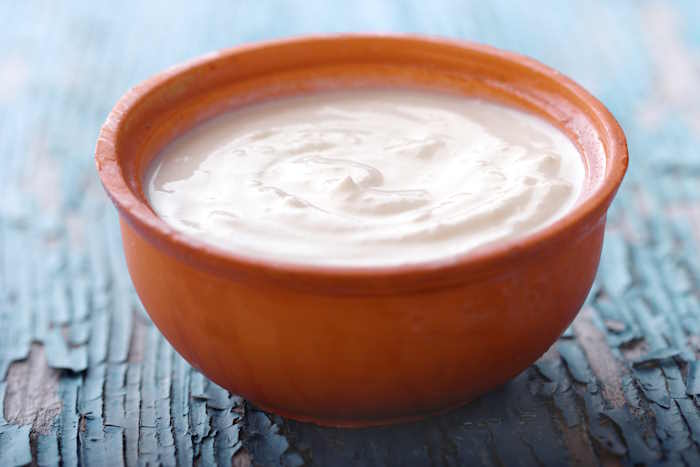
{"type": "Point", "coordinates": [357, 423]}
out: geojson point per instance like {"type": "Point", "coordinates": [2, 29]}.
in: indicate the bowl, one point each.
{"type": "Point", "coordinates": [357, 346]}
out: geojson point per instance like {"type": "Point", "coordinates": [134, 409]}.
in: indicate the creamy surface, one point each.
{"type": "Point", "coordinates": [365, 177]}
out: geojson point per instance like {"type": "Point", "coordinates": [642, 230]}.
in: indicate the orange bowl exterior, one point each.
{"type": "Point", "coordinates": [358, 346]}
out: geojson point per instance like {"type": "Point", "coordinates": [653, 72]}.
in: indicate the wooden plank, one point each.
{"type": "Point", "coordinates": [84, 376]}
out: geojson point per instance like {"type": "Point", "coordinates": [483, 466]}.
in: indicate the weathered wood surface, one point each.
{"type": "Point", "coordinates": [86, 379]}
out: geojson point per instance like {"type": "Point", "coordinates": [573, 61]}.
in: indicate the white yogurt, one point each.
{"type": "Point", "coordinates": [365, 178]}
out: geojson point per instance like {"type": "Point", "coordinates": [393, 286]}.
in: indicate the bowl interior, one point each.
{"type": "Point", "coordinates": [154, 113]}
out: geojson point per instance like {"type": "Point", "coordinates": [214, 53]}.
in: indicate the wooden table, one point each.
{"type": "Point", "coordinates": [86, 379]}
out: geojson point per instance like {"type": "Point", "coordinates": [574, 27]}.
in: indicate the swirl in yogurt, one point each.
{"type": "Point", "coordinates": [365, 178]}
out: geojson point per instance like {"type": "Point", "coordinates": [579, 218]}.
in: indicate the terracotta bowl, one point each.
{"type": "Point", "coordinates": [354, 346]}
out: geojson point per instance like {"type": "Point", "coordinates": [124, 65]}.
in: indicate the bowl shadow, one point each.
{"type": "Point", "coordinates": [516, 424]}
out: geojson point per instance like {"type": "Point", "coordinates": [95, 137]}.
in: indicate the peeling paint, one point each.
{"type": "Point", "coordinates": [31, 393]}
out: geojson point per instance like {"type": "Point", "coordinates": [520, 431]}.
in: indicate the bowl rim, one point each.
{"type": "Point", "coordinates": [355, 278]}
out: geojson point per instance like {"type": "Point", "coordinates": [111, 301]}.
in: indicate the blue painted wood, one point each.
{"type": "Point", "coordinates": [86, 379]}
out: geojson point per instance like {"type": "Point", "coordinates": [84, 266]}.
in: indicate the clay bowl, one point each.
{"type": "Point", "coordinates": [363, 345]}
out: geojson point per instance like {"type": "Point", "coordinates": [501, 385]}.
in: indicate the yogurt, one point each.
{"type": "Point", "coordinates": [365, 178]}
